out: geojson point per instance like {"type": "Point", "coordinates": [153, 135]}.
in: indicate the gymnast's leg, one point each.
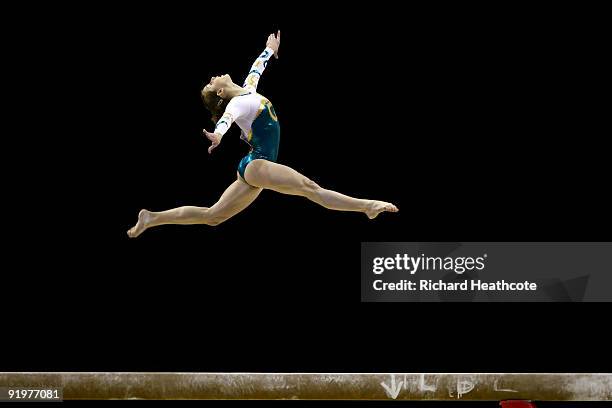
{"type": "Point", "coordinates": [283, 179]}
{"type": "Point", "coordinates": [236, 198]}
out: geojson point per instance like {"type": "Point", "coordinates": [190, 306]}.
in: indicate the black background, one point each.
{"type": "Point", "coordinates": [480, 124]}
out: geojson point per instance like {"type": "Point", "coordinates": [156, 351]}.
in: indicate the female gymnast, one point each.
{"type": "Point", "coordinates": [255, 115]}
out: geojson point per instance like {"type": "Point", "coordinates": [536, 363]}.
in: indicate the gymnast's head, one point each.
{"type": "Point", "coordinates": [214, 95]}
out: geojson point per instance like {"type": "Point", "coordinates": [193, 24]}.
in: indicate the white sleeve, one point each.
{"type": "Point", "coordinates": [235, 109]}
{"type": "Point", "coordinates": [257, 69]}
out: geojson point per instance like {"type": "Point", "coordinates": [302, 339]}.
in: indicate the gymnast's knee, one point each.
{"type": "Point", "coordinates": [213, 219]}
{"type": "Point", "coordinates": [204, 216]}
{"type": "Point", "coordinates": [310, 188]}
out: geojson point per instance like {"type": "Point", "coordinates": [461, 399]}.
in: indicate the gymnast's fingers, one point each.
{"type": "Point", "coordinates": [208, 135]}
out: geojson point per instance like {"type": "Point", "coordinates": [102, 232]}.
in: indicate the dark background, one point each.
{"type": "Point", "coordinates": [480, 124]}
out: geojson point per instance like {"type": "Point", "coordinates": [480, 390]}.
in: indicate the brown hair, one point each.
{"type": "Point", "coordinates": [215, 104]}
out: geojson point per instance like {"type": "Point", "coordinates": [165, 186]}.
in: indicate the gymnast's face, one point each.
{"type": "Point", "coordinates": [217, 84]}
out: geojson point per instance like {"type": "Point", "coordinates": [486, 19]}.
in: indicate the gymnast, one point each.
{"type": "Point", "coordinates": [258, 170]}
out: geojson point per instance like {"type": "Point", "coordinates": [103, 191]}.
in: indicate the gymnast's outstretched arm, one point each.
{"type": "Point", "coordinates": [261, 62]}
{"type": "Point", "coordinates": [234, 110]}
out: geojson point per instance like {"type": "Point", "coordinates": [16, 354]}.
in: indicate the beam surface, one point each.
{"type": "Point", "coordinates": [314, 386]}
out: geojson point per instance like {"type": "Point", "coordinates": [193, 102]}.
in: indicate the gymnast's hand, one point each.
{"type": "Point", "coordinates": [274, 42]}
{"type": "Point", "coordinates": [215, 138]}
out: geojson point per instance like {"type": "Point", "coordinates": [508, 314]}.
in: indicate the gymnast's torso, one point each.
{"type": "Point", "coordinates": [257, 120]}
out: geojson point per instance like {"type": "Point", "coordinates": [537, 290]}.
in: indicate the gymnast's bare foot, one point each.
{"type": "Point", "coordinates": [144, 217]}
{"type": "Point", "coordinates": [376, 207]}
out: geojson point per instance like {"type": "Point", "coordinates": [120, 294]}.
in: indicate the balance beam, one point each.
{"type": "Point", "coordinates": [318, 386]}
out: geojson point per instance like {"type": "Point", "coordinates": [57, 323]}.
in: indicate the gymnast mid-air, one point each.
{"type": "Point", "coordinates": [255, 115]}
